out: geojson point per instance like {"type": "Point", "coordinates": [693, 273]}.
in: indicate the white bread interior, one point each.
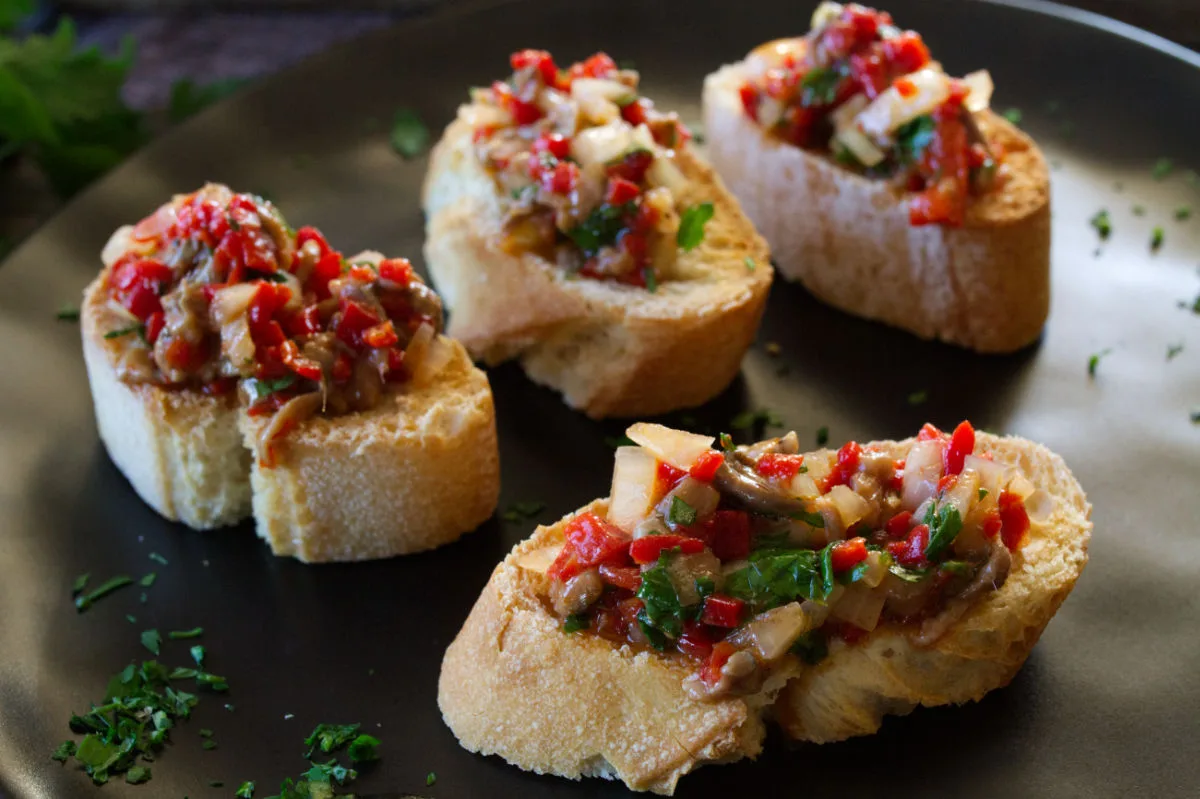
{"type": "Point", "coordinates": [415, 472]}
{"type": "Point", "coordinates": [610, 349]}
{"type": "Point", "coordinates": [513, 684]}
{"type": "Point", "coordinates": [847, 238]}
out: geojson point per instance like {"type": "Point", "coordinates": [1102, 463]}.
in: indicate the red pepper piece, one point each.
{"type": "Point", "coordinates": [749, 98]}
{"type": "Point", "coordinates": [721, 652]}
{"type": "Point", "coordinates": [305, 367]}
{"type": "Point", "coordinates": [555, 144]}
{"type": "Point", "coordinates": [695, 641]}
{"type": "Point", "coordinates": [929, 433]}
{"type": "Point", "coordinates": [562, 179]}
{"type": "Point", "coordinates": [846, 555]}
{"type": "Point", "coordinates": [380, 335]}
{"type": "Point", "coordinates": [305, 323]}
{"type": "Point", "coordinates": [992, 524]}
{"type": "Point", "coordinates": [667, 478]}
{"type": "Point", "coordinates": [343, 367]}
{"type": "Point", "coordinates": [911, 551]}
{"type": "Point", "coordinates": [706, 466]}
{"type": "Point", "coordinates": [648, 548]}
{"type": "Point", "coordinates": [722, 611]}
{"type": "Point", "coordinates": [627, 577]}
{"type": "Point", "coordinates": [906, 53]}
{"type": "Point", "coordinates": [621, 191]}
{"type": "Point", "coordinates": [847, 464]}
{"type": "Point", "coordinates": [897, 526]}
{"type": "Point", "coordinates": [539, 60]}
{"type": "Point", "coordinates": [396, 270]}
{"type": "Point", "coordinates": [355, 319]}
{"type": "Point", "coordinates": [896, 483]}
{"type": "Point", "coordinates": [361, 273]}
{"type": "Point", "coordinates": [181, 354]}
{"type": "Point", "coordinates": [1014, 518]}
{"type": "Point", "coordinates": [635, 113]}
{"type": "Point", "coordinates": [590, 542]}
{"type": "Point", "coordinates": [633, 166]}
{"type": "Point", "coordinates": [962, 444]}
{"type": "Point", "coordinates": [154, 326]}
{"type": "Point", "coordinates": [779, 466]}
{"type": "Point", "coordinates": [728, 534]}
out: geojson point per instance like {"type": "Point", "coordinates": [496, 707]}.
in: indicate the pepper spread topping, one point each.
{"type": "Point", "coordinates": [740, 558]}
{"type": "Point", "coordinates": [869, 94]}
{"type": "Point", "coordinates": [586, 169]}
{"type": "Point", "coordinates": [216, 290]}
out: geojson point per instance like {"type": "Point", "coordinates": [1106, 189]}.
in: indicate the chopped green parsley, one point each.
{"type": "Point", "coordinates": [1101, 223]}
{"type": "Point", "coordinates": [409, 135]}
{"type": "Point", "coordinates": [691, 225]}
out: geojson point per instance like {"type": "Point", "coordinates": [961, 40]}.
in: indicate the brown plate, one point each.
{"type": "Point", "coordinates": [1108, 702]}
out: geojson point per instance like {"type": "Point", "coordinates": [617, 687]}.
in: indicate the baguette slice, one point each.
{"type": "Point", "coordinates": [417, 471]}
{"type": "Point", "coordinates": [180, 450]}
{"type": "Point", "coordinates": [514, 684]}
{"type": "Point", "coordinates": [847, 238]}
{"type": "Point", "coordinates": [610, 349]}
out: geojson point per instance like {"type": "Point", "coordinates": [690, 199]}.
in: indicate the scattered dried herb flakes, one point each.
{"type": "Point", "coordinates": [822, 436]}
{"type": "Point", "coordinates": [520, 511]}
{"type": "Point", "coordinates": [152, 640]}
{"type": "Point", "coordinates": [1183, 212]}
{"type": "Point", "coordinates": [430, 779]}
{"type": "Point", "coordinates": [409, 135]}
{"type": "Point", "coordinates": [1173, 350]}
{"type": "Point", "coordinates": [1162, 168]}
{"type": "Point", "coordinates": [749, 420]}
{"type": "Point", "coordinates": [1094, 360]}
{"type": "Point", "coordinates": [1101, 223]}
{"type": "Point", "coordinates": [157, 558]}
{"type": "Point", "coordinates": [67, 313]}
{"type": "Point", "coordinates": [85, 601]}
{"type": "Point", "coordinates": [1156, 238]}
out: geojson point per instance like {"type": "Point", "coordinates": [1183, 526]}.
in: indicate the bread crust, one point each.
{"type": "Point", "coordinates": [847, 238]}
{"type": "Point", "coordinates": [417, 471]}
{"type": "Point", "coordinates": [180, 450]}
{"type": "Point", "coordinates": [514, 684]}
{"type": "Point", "coordinates": [611, 349]}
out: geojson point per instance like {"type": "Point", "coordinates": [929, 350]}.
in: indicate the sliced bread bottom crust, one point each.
{"type": "Point", "coordinates": [847, 238]}
{"type": "Point", "coordinates": [513, 684]}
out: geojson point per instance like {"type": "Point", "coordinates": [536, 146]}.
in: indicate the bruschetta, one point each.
{"type": "Point", "coordinates": [240, 367]}
{"type": "Point", "coordinates": [570, 224]}
{"type": "Point", "coordinates": [886, 187]}
{"type": "Point", "coordinates": [652, 631]}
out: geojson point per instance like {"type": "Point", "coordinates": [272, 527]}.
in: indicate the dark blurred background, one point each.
{"type": "Point", "coordinates": [189, 53]}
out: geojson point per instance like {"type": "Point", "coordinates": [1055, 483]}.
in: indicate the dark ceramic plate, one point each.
{"type": "Point", "coordinates": [1108, 702]}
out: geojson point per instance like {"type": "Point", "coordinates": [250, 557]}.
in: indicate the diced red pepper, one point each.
{"type": "Point", "coordinates": [992, 524]}
{"type": "Point", "coordinates": [728, 534]}
{"type": "Point", "coordinates": [361, 273]}
{"type": "Point", "coordinates": [395, 363]}
{"type": "Point", "coordinates": [154, 326]}
{"type": "Point", "coordinates": [590, 542]}
{"type": "Point", "coordinates": [343, 367]}
{"type": "Point", "coordinates": [897, 526]}
{"type": "Point", "coordinates": [561, 179]}
{"type": "Point", "coordinates": [305, 323]}
{"type": "Point", "coordinates": [636, 245]}
{"type": "Point", "coordinates": [219, 387]}
{"type": "Point", "coordinates": [695, 641]}
{"type": "Point", "coordinates": [632, 166]}
{"type": "Point", "coordinates": [647, 548]}
{"type": "Point", "coordinates": [138, 283]}
{"type": "Point", "coordinates": [666, 478]}
{"type": "Point", "coordinates": [396, 270]}
{"type": "Point", "coordinates": [848, 632]}
{"type": "Point", "coordinates": [381, 335]}
{"type": "Point", "coordinates": [181, 354]}
{"type": "Point", "coordinates": [627, 577]}
{"type": "Point", "coordinates": [722, 611]}
{"type": "Point", "coordinates": [706, 466]}
{"type": "Point", "coordinates": [621, 191]}
{"type": "Point", "coordinates": [962, 444]}
{"type": "Point", "coordinates": [267, 300]}
{"type": "Point", "coordinates": [721, 652]}
{"type": "Point", "coordinates": [1014, 519]}
{"type": "Point", "coordinates": [305, 367]}
{"type": "Point", "coordinates": [635, 113]}
{"type": "Point", "coordinates": [911, 551]}
{"type": "Point", "coordinates": [355, 319]}
{"type": "Point", "coordinates": [846, 555]}
{"type": "Point", "coordinates": [539, 60]}
{"type": "Point", "coordinates": [555, 144]}
{"type": "Point", "coordinates": [906, 52]}
{"type": "Point", "coordinates": [749, 98]}
{"type": "Point", "coordinates": [848, 458]}
{"type": "Point", "coordinates": [597, 66]}
{"type": "Point", "coordinates": [945, 482]}
{"type": "Point", "coordinates": [523, 112]}
{"type": "Point", "coordinates": [929, 433]}
{"type": "Point", "coordinates": [896, 482]}
{"type": "Point", "coordinates": [779, 466]}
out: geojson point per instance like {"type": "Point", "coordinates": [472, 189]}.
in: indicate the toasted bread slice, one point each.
{"type": "Point", "coordinates": [625, 716]}
{"type": "Point", "coordinates": [415, 472]}
{"type": "Point", "coordinates": [513, 684]}
{"type": "Point", "coordinates": [847, 238]}
{"type": "Point", "coordinates": [611, 349]}
{"type": "Point", "coordinates": [180, 450]}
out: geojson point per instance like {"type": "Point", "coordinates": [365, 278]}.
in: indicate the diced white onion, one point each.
{"type": "Point", "coordinates": [676, 447]}
{"type": "Point", "coordinates": [630, 500]}
{"type": "Point", "coordinates": [843, 116]}
{"type": "Point", "coordinates": [922, 470]}
{"type": "Point", "coordinates": [770, 111]}
{"type": "Point", "coordinates": [824, 14]}
{"type": "Point", "coordinates": [860, 606]}
{"type": "Point", "coordinates": [863, 149]}
{"type": "Point", "coordinates": [1040, 505]}
{"type": "Point", "coordinates": [979, 90]}
{"type": "Point", "coordinates": [890, 109]}
{"type": "Point", "coordinates": [819, 466]}
{"type": "Point", "coordinates": [771, 634]}
{"type": "Point", "coordinates": [1020, 485]}
{"type": "Point", "coordinates": [992, 475]}
{"type": "Point", "coordinates": [803, 485]}
{"type": "Point", "coordinates": [850, 506]}
{"type": "Point", "coordinates": [231, 302]}
{"type": "Point", "coordinates": [601, 144]}
{"type": "Point", "coordinates": [699, 496]}
{"type": "Point", "coordinates": [876, 569]}
{"type": "Point", "coordinates": [438, 355]}
{"type": "Point", "coordinates": [588, 89]}
{"type": "Point", "coordinates": [663, 172]}
{"type": "Point", "coordinates": [118, 244]}
{"type": "Point", "coordinates": [482, 115]}
{"type": "Point", "coordinates": [418, 348]}
{"type": "Point", "coordinates": [964, 494]}
{"type": "Point", "coordinates": [540, 559]}
{"type": "Point", "coordinates": [296, 298]}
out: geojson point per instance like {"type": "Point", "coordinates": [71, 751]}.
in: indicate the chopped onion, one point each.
{"type": "Point", "coordinates": [481, 115]}
{"type": "Point", "coordinates": [676, 447]}
{"type": "Point", "coordinates": [824, 14]}
{"type": "Point", "coordinates": [860, 606]}
{"type": "Point", "coordinates": [964, 494]}
{"type": "Point", "coordinates": [1040, 505]}
{"type": "Point", "coordinates": [771, 634]}
{"type": "Point", "coordinates": [122, 311]}
{"type": "Point", "coordinates": [663, 172]}
{"type": "Point", "coordinates": [296, 298]}
{"type": "Point", "coordinates": [876, 569]}
{"type": "Point", "coordinates": [922, 470]}
{"type": "Point", "coordinates": [231, 302]}
{"type": "Point", "coordinates": [118, 244]}
{"type": "Point", "coordinates": [294, 411]}
{"type": "Point", "coordinates": [890, 109]}
{"type": "Point", "coordinates": [770, 111]}
{"type": "Point", "coordinates": [540, 559]}
{"type": "Point", "coordinates": [1020, 485]}
{"type": "Point", "coordinates": [803, 485]}
{"type": "Point", "coordinates": [992, 475]}
{"type": "Point", "coordinates": [601, 144]}
{"type": "Point", "coordinates": [699, 496]}
{"type": "Point", "coordinates": [850, 506]}
{"type": "Point", "coordinates": [635, 471]}
{"type": "Point", "coordinates": [979, 90]}
{"type": "Point", "coordinates": [863, 149]}
{"type": "Point", "coordinates": [819, 465]}
{"type": "Point", "coordinates": [438, 354]}
{"type": "Point", "coordinates": [644, 139]}
{"type": "Point", "coordinates": [589, 89]}
{"type": "Point", "coordinates": [685, 570]}
{"type": "Point", "coordinates": [418, 347]}
{"type": "Point", "coordinates": [843, 116]}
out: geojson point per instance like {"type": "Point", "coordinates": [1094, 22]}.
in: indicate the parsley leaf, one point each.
{"type": "Point", "coordinates": [245, 790]}
{"type": "Point", "coordinates": [681, 513]}
{"type": "Point", "coordinates": [1013, 115]}
{"type": "Point", "coordinates": [1173, 350]}
{"type": "Point", "coordinates": [362, 748]}
{"type": "Point", "coordinates": [822, 436]}
{"type": "Point", "coordinates": [601, 228]}
{"type": "Point", "coordinates": [912, 138]}
{"type": "Point", "coordinates": [1156, 238]}
{"type": "Point", "coordinates": [1101, 223]}
{"type": "Point", "coordinates": [918, 397]}
{"type": "Point", "coordinates": [811, 518]}
{"type": "Point", "coordinates": [1194, 415]}
{"type": "Point", "coordinates": [1183, 212]}
{"type": "Point", "coordinates": [519, 511]}
{"type": "Point", "coordinates": [430, 779]}
{"type": "Point", "coordinates": [691, 225]}
{"type": "Point", "coordinates": [137, 775]}
{"type": "Point", "coordinates": [330, 737]}
{"type": "Point", "coordinates": [576, 622]}
{"type": "Point", "coordinates": [819, 86]}
{"type": "Point", "coordinates": [945, 523]}
{"type": "Point", "coordinates": [1162, 168]}
{"type": "Point", "coordinates": [811, 647]}
{"type": "Point", "coordinates": [774, 577]}
{"type": "Point", "coordinates": [726, 442]}
{"type": "Point", "coordinates": [663, 610]}
{"type": "Point", "coordinates": [125, 331]}
{"type": "Point", "coordinates": [67, 313]}
{"type": "Point", "coordinates": [651, 278]}
{"type": "Point", "coordinates": [748, 420]}
{"type": "Point", "coordinates": [409, 135]}
{"type": "Point", "coordinates": [749, 262]}
{"type": "Point", "coordinates": [64, 751]}
{"type": "Point", "coordinates": [1094, 360]}
{"type": "Point", "coordinates": [195, 632]}
{"type": "Point", "coordinates": [148, 580]}
{"type": "Point", "coordinates": [265, 388]}
{"type": "Point", "coordinates": [198, 653]}
{"type": "Point", "coordinates": [80, 583]}
{"type": "Point", "coordinates": [85, 601]}
{"type": "Point", "coordinates": [152, 640]}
